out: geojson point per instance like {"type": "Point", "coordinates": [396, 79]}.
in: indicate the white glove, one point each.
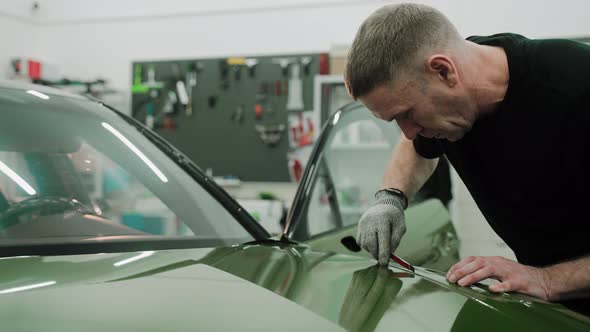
{"type": "Point", "coordinates": [382, 226]}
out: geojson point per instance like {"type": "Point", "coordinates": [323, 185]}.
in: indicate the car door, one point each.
{"type": "Point", "coordinates": [342, 175]}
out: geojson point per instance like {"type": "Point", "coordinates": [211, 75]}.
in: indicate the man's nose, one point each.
{"type": "Point", "coordinates": [409, 128]}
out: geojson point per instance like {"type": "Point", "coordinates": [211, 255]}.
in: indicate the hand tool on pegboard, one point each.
{"type": "Point", "coordinates": [295, 96]}
{"type": "Point", "coordinates": [191, 77]}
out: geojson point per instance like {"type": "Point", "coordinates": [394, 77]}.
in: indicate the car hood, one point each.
{"type": "Point", "coordinates": [267, 287]}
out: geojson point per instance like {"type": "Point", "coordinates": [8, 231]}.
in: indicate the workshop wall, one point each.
{"type": "Point", "coordinates": [89, 39]}
{"type": "Point", "coordinates": [17, 33]}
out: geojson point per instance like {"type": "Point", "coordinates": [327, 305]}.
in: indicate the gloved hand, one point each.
{"type": "Point", "coordinates": [382, 226]}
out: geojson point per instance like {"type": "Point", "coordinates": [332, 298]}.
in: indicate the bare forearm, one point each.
{"type": "Point", "coordinates": [568, 280]}
{"type": "Point", "coordinates": [406, 170]}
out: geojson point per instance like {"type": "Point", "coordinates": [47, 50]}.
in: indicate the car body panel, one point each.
{"type": "Point", "coordinates": [194, 297]}
{"type": "Point", "coordinates": [212, 289]}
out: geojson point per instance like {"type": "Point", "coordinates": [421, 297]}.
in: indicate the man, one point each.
{"type": "Point", "coordinates": [511, 115]}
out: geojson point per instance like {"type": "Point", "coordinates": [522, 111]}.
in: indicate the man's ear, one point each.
{"type": "Point", "coordinates": [347, 86]}
{"type": "Point", "coordinates": [444, 68]}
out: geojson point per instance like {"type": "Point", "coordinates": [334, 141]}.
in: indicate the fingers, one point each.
{"type": "Point", "coordinates": [505, 286]}
{"type": "Point", "coordinates": [396, 236]}
{"type": "Point", "coordinates": [374, 232]}
{"type": "Point", "coordinates": [514, 277]}
{"type": "Point", "coordinates": [359, 236]}
{"type": "Point", "coordinates": [384, 239]}
{"type": "Point", "coordinates": [371, 243]}
{"type": "Point", "coordinates": [459, 265]}
{"type": "Point", "coordinates": [463, 268]}
{"type": "Point", "coordinates": [474, 269]}
{"type": "Point", "coordinates": [476, 276]}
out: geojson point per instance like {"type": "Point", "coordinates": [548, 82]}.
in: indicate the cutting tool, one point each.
{"type": "Point", "coordinates": [401, 262]}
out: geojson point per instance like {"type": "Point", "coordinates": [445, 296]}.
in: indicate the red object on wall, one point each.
{"type": "Point", "coordinates": [258, 111]}
{"type": "Point", "coordinates": [169, 124]}
{"type": "Point", "coordinates": [34, 69]}
{"type": "Point", "coordinates": [324, 64]}
{"type": "Point", "coordinates": [297, 170]}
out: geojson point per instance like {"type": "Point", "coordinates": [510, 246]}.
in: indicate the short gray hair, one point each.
{"type": "Point", "coordinates": [392, 41]}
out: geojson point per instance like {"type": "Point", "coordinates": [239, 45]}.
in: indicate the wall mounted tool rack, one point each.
{"type": "Point", "coordinates": [231, 115]}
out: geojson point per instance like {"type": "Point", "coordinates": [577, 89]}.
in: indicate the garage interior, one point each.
{"type": "Point", "coordinates": [243, 88]}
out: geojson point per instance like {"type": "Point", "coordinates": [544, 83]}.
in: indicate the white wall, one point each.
{"type": "Point", "coordinates": [17, 33]}
{"type": "Point", "coordinates": [86, 39]}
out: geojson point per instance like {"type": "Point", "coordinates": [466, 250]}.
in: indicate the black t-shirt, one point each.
{"type": "Point", "coordinates": [527, 163]}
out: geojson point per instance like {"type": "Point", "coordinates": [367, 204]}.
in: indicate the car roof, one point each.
{"type": "Point", "coordinates": [25, 86]}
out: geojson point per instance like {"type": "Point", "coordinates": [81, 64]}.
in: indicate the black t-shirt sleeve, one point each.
{"type": "Point", "coordinates": [429, 148]}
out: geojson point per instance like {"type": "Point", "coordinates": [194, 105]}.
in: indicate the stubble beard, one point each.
{"type": "Point", "coordinates": [458, 117]}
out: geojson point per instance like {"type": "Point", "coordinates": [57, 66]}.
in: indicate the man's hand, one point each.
{"type": "Point", "coordinates": [513, 277]}
{"type": "Point", "coordinates": [382, 226]}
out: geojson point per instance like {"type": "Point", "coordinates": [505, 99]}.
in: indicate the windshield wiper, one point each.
{"type": "Point", "coordinates": [283, 240]}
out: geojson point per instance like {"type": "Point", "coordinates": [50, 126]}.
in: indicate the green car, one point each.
{"type": "Point", "coordinates": [104, 226]}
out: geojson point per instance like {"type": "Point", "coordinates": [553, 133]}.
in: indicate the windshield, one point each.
{"type": "Point", "coordinates": [73, 171]}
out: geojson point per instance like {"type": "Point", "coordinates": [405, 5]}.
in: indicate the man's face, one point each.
{"type": "Point", "coordinates": [427, 108]}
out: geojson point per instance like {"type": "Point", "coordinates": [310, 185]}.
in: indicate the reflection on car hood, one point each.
{"type": "Point", "coordinates": [252, 287]}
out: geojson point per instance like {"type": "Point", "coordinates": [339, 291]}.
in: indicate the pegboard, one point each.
{"type": "Point", "coordinates": [214, 132]}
